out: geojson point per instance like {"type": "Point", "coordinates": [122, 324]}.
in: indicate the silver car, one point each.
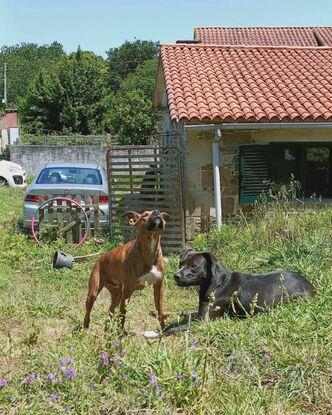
{"type": "Point", "coordinates": [64, 179]}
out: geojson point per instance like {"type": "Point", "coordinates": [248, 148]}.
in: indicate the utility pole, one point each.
{"type": "Point", "coordinates": [4, 101]}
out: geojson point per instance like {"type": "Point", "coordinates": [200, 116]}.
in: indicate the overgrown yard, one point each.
{"type": "Point", "coordinates": [277, 362]}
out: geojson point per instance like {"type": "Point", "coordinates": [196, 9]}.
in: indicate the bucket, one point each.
{"type": "Point", "coordinates": [62, 260]}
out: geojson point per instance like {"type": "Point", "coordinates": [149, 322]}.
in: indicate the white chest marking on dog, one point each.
{"type": "Point", "coordinates": [151, 277]}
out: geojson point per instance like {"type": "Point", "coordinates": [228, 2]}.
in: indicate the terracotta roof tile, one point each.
{"type": "Point", "coordinates": [265, 36]}
{"type": "Point", "coordinates": [235, 84]}
{"type": "Point", "coordinates": [324, 35]}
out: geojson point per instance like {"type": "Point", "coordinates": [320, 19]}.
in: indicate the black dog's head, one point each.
{"type": "Point", "coordinates": [194, 267]}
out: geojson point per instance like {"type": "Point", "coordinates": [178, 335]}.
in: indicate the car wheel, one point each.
{"type": "Point", "coordinates": [3, 181]}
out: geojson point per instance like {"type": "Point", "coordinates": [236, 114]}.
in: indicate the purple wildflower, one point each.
{"type": "Point", "coordinates": [152, 377]}
{"type": "Point", "coordinates": [51, 377]}
{"type": "Point", "coordinates": [32, 376]}
{"type": "Point", "coordinates": [64, 360]}
{"type": "Point", "coordinates": [266, 356]}
{"type": "Point", "coordinates": [122, 353]}
{"type": "Point", "coordinates": [117, 344]}
{"type": "Point", "coordinates": [311, 359]}
{"type": "Point", "coordinates": [180, 377]}
{"type": "Point", "coordinates": [67, 410]}
{"type": "Point", "coordinates": [154, 382]}
{"type": "Point", "coordinates": [26, 381]}
{"type": "Point", "coordinates": [42, 350]}
{"type": "Point", "coordinates": [158, 389]}
{"type": "Point", "coordinates": [70, 374]}
{"type": "Point", "coordinates": [3, 382]}
{"type": "Point", "coordinates": [197, 382]}
{"type": "Point", "coordinates": [54, 398]}
{"type": "Point", "coordinates": [194, 346]}
{"type": "Point", "coordinates": [112, 369]}
{"type": "Point", "coordinates": [71, 347]}
{"type": "Point", "coordinates": [144, 392]}
{"type": "Point", "coordinates": [194, 375]}
{"type": "Point", "coordinates": [63, 368]}
{"type": "Point", "coordinates": [105, 359]}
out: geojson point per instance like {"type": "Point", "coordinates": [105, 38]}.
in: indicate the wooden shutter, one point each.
{"type": "Point", "coordinates": [254, 171]}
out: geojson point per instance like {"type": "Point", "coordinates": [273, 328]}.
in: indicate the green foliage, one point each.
{"type": "Point", "coordinates": [130, 117]}
{"type": "Point", "coordinates": [273, 363]}
{"type": "Point", "coordinates": [67, 140]}
{"type": "Point", "coordinates": [123, 60]}
{"type": "Point", "coordinates": [24, 62]}
{"type": "Point", "coordinates": [5, 153]}
{"type": "Point", "coordinates": [68, 99]}
{"type": "Point", "coordinates": [39, 111]}
{"type": "Point", "coordinates": [142, 79]}
{"type": "Point", "coordinates": [84, 94]}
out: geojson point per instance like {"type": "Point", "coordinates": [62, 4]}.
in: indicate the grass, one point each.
{"type": "Point", "coordinates": [274, 363]}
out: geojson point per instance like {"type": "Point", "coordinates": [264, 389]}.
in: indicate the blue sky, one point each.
{"type": "Point", "coordinates": [98, 25]}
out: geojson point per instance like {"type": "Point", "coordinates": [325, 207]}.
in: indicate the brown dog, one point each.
{"type": "Point", "coordinates": [130, 266]}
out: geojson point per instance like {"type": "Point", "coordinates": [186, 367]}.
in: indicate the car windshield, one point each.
{"type": "Point", "coordinates": [69, 175]}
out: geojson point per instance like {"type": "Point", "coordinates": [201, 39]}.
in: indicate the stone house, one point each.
{"type": "Point", "coordinates": [248, 113]}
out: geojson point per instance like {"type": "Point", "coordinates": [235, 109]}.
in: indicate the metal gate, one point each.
{"type": "Point", "coordinates": [143, 178]}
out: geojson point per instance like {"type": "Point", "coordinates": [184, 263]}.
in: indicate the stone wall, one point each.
{"type": "Point", "coordinates": [198, 183]}
{"type": "Point", "coordinates": [33, 158]}
{"type": "Point", "coordinates": [200, 209]}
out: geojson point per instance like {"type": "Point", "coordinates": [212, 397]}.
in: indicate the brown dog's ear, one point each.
{"type": "Point", "coordinates": [165, 216]}
{"type": "Point", "coordinates": [132, 217]}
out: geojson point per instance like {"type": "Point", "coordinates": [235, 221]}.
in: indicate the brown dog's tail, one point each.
{"type": "Point", "coordinates": [94, 290]}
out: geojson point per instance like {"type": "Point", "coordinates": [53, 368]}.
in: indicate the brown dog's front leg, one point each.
{"type": "Point", "coordinates": [158, 300]}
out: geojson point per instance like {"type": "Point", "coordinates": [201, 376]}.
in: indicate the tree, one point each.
{"type": "Point", "coordinates": [82, 86]}
{"type": "Point", "coordinates": [24, 62]}
{"type": "Point", "coordinates": [39, 112]}
{"type": "Point", "coordinates": [130, 117]}
{"type": "Point", "coordinates": [143, 79]}
{"type": "Point", "coordinates": [123, 60]}
{"type": "Point", "coordinates": [70, 99]}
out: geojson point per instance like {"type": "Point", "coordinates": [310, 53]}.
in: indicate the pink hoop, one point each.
{"type": "Point", "coordinates": [66, 199]}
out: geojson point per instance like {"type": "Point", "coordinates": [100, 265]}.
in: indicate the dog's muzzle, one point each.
{"type": "Point", "coordinates": [155, 221]}
{"type": "Point", "coordinates": [177, 277]}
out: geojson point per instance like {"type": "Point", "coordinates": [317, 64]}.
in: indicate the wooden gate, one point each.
{"type": "Point", "coordinates": [146, 178]}
{"type": "Point", "coordinates": [64, 219]}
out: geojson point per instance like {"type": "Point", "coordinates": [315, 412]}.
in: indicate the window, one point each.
{"type": "Point", "coordinates": [69, 175]}
{"type": "Point", "coordinates": [309, 163]}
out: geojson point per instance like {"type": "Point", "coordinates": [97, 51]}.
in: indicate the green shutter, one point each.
{"type": "Point", "coordinates": [254, 171]}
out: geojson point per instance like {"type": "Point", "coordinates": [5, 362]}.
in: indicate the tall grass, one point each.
{"type": "Point", "coordinates": [274, 363]}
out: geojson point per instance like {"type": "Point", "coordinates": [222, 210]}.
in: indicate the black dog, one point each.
{"type": "Point", "coordinates": [236, 292]}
